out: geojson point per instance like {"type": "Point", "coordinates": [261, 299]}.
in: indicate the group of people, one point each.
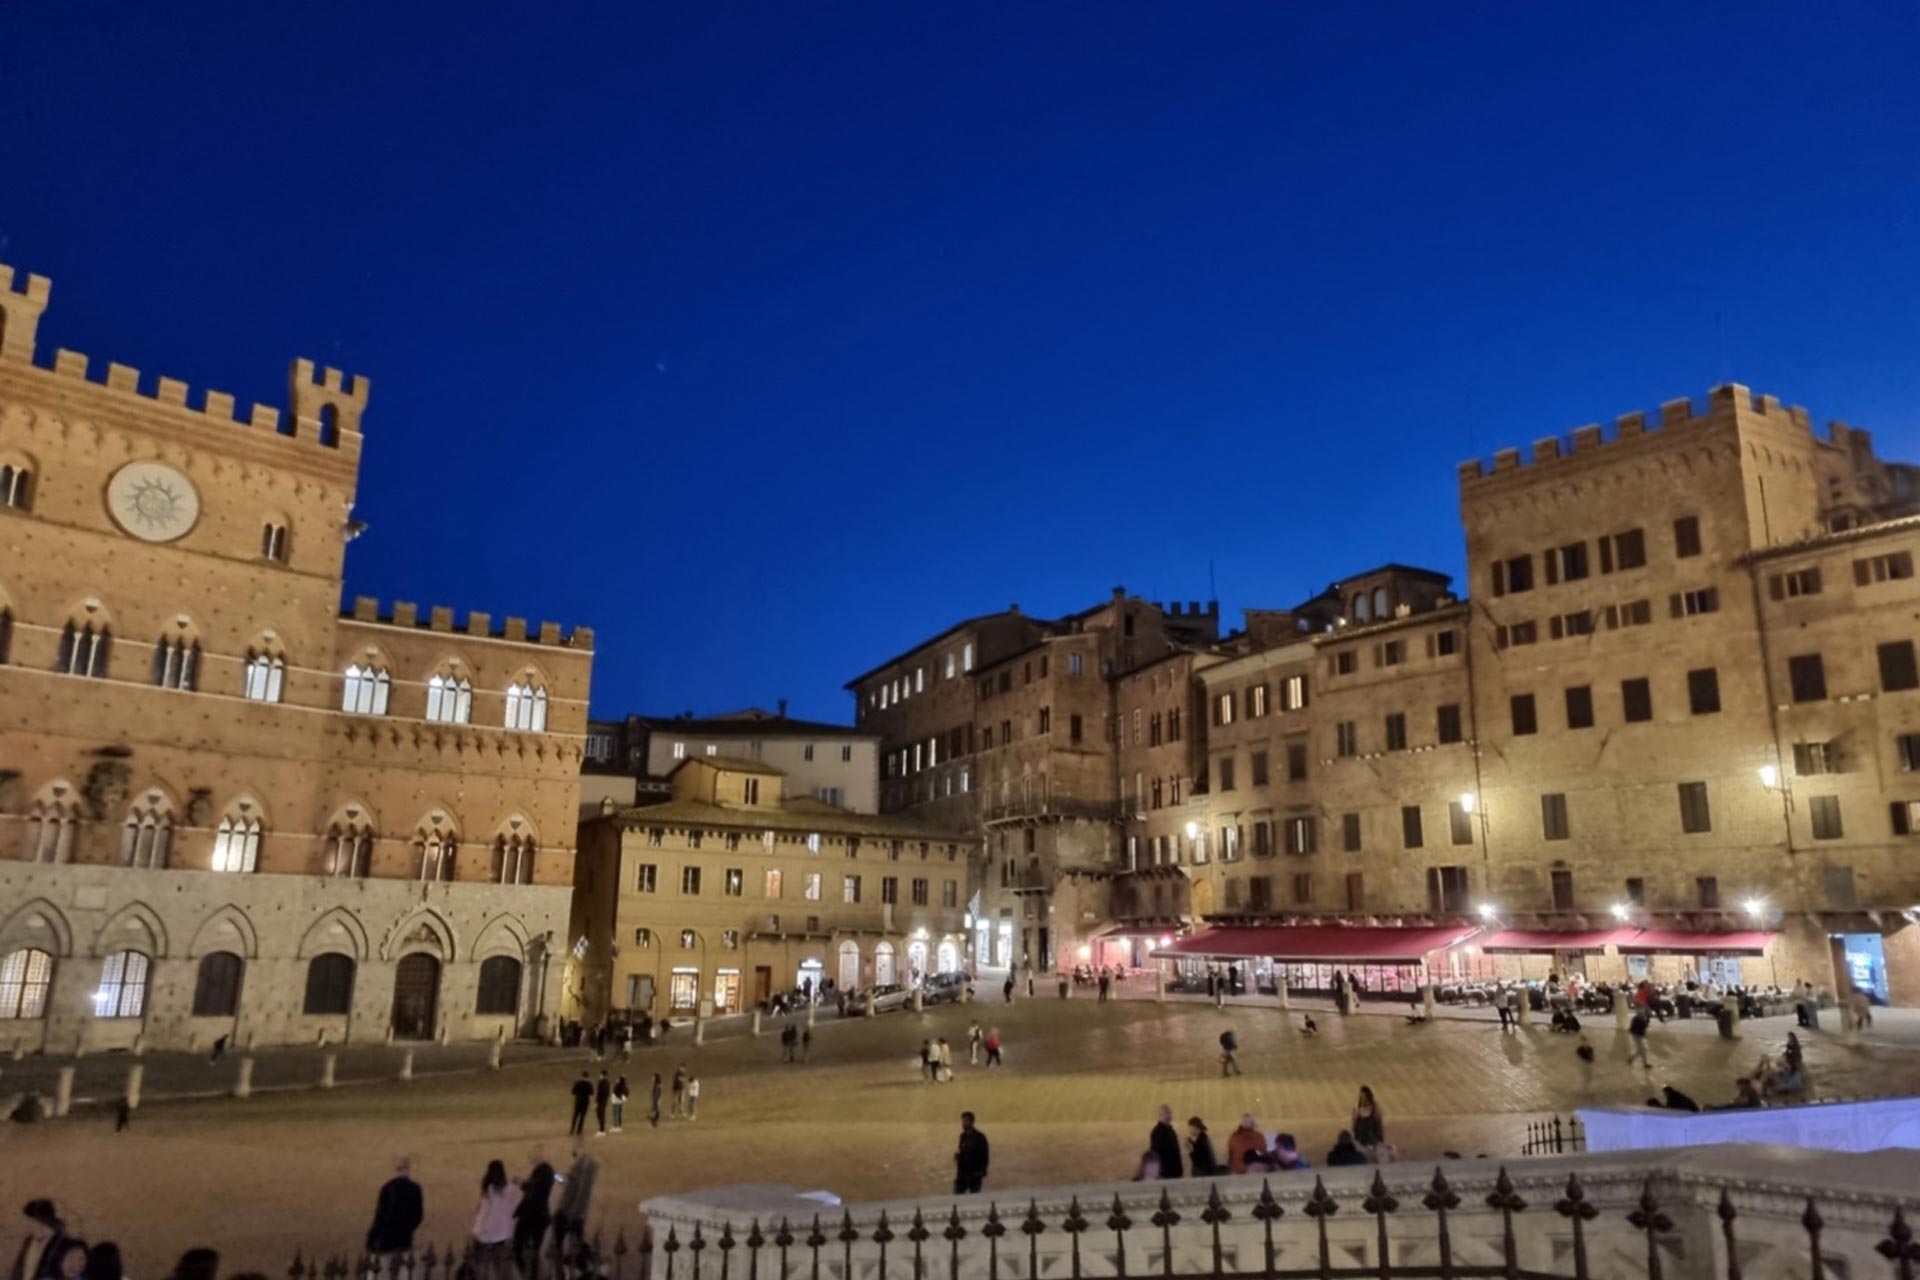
{"type": "Point", "coordinates": [517, 1223]}
{"type": "Point", "coordinates": [48, 1252]}
{"type": "Point", "coordinates": [936, 1055]}
{"type": "Point", "coordinates": [612, 1095]}
{"type": "Point", "coordinates": [1251, 1149]}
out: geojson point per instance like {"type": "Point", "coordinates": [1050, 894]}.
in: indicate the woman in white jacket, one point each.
{"type": "Point", "coordinates": [493, 1225]}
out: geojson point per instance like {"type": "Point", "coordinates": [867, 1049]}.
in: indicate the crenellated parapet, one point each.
{"type": "Point", "coordinates": [327, 404]}
{"type": "Point", "coordinates": [440, 618]}
{"type": "Point", "coordinates": [1725, 404]}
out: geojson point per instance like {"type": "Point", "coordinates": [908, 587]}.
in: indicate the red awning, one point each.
{"type": "Point", "coordinates": [1513, 942]}
{"type": "Point", "coordinates": [1322, 943]}
{"type": "Point", "coordinates": [1677, 942]}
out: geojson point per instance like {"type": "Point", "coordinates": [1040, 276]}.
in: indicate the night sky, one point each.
{"type": "Point", "coordinates": [768, 339]}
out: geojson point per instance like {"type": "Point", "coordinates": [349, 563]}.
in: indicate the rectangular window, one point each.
{"type": "Point", "coordinates": [1516, 634]}
{"type": "Point", "coordinates": [1688, 604]}
{"type": "Point", "coordinates": [1256, 701]}
{"type": "Point", "coordinates": [1897, 669]}
{"type": "Point", "coordinates": [1887, 568]}
{"type": "Point", "coordinates": [1344, 663]}
{"type": "Point", "coordinates": [1230, 844]}
{"type": "Point", "coordinates": [1390, 654]}
{"type": "Point", "coordinates": [1350, 832]}
{"type": "Point", "coordinates": [1686, 537]}
{"type": "Point", "coordinates": [1301, 836]}
{"type": "Point", "coordinates": [1259, 768]}
{"type": "Point", "coordinates": [1565, 626]}
{"type": "Point", "coordinates": [1260, 893]}
{"type": "Point", "coordinates": [1566, 564]}
{"type": "Point", "coordinates": [1076, 664]}
{"type": "Point", "coordinates": [1512, 576]}
{"type": "Point", "coordinates": [1225, 773]}
{"type": "Point", "coordinates": [1443, 644]}
{"type": "Point", "coordinates": [1553, 816]}
{"type": "Point", "coordinates": [1073, 729]}
{"type": "Point", "coordinates": [950, 889]}
{"type": "Point", "coordinates": [1906, 817]}
{"type": "Point", "coordinates": [1812, 758]}
{"type": "Point", "coordinates": [1703, 691]}
{"type": "Point", "coordinates": [1636, 700]}
{"type": "Point", "coordinates": [1293, 693]}
{"type": "Point", "coordinates": [1045, 723]}
{"type": "Point", "coordinates": [1447, 889]}
{"type": "Point", "coordinates": [1636, 891]}
{"type": "Point", "coordinates": [1579, 706]}
{"type": "Point", "coordinates": [1447, 723]}
{"type": "Point", "coordinates": [1223, 709]}
{"type": "Point", "coordinates": [1826, 817]}
{"type": "Point", "coordinates": [850, 889]}
{"type": "Point", "coordinates": [733, 841]}
{"type": "Point", "coordinates": [1707, 890]}
{"type": "Point", "coordinates": [690, 880]}
{"type": "Point", "coordinates": [1262, 840]}
{"type": "Point", "coordinates": [1634, 613]}
{"type": "Point", "coordinates": [889, 889]}
{"type": "Point", "coordinates": [810, 886]}
{"type": "Point", "coordinates": [1907, 747]}
{"type": "Point", "coordinates": [1695, 815]}
{"type": "Point", "coordinates": [1524, 721]}
{"type": "Point", "coordinates": [1807, 676]}
{"type": "Point", "coordinates": [1397, 731]}
{"type": "Point", "coordinates": [773, 884]}
{"type": "Point", "coordinates": [1459, 823]}
{"type": "Point", "coordinates": [1297, 761]}
{"type": "Point", "coordinates": [736, 882]}
{"type": "Point", "coordinates": [1410, 834]}
{"type": "Point", "coordinates": [1346, 742]}
{"type": "Point", "coordinates": [1562, 890]}
{"type": "Point", "coordinates": [1623, 551]}
{"type": "Point", "coordinates": [1791, 586]}
{"type": "Point", "coordinates": [919, 891]}
{"type": "Point", "coordinates": [750, 790]}
{"type": "Point", "coordinates": [1303, 889]}
{"type": "Point", "coordinates": [646, 878]}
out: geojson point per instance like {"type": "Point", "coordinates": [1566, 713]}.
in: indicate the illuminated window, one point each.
{"type": "Point", "coordinates": [122, 992]}
{"type": "Point", "coordinates": [449, 699]}
{"type": "Point", "coordinates": [366, 689]}
{"type": "Point", "coordinates": [25, 978]}
{"type": "Point", "coordinates": [526, 707]}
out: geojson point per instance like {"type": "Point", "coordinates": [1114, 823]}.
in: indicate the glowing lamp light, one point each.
{"type": "Point", "coordinates": [1193, 830]}
{"type": "Point", "coordinates": [1467, 801]}
{"type": "Point", "coordinates": [1486, 911]}
{"type": "Point", "coordinates": [1755, 907]}
{"type": "Point", "coordinates": [1619, 911]}
{"type": "Point", "coordinates": [1086, 952]}
{"type": "Point", "coordinates": [1769, 776]}
{"type": "Point", "coordinates": [1166, 942]}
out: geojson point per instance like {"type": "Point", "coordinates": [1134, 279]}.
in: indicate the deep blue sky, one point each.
{"type": "Point", "coordinates": [767, 339]}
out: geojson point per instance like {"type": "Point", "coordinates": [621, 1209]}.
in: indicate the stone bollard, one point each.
{"type": "Point", "coordinates": [699, 1030]}
{"type": "Point", "coordinates": [867, 1014]}
{"type": "Point", "coordinates": [63, 1092]}
{"type": "Point", "coordinates": [756, 1022]}
{"type": "Point", "coordinates": [809, 1014]}
{"type": "Point", "coordinates": [1219, 995]}
{"type": "Point", "coordinates": [1281, 993]}
{"type": "Point", "coordinates": [1159, 985]}
{"type": "Point", "coordinates": [243, 1083]}
{"type": "Point", "coordinates": [406, 1065]}
{"type": "Point", "coordinates": [1426, 1000]}
{"type": "Point", "coordinates": [493, 1056]}
{"type": "Point", "coordinates": [20, 1049]}
{"type": "Point", "coordinates": [1733, 1016]}
{"type": "Point", "coordinates": [139, 1046]}
{"type": "Point", "coordinates": [1622, 1007]}
{"type": "Point", "coordinates": [1524, 1007]}
{"type": "Point", "coordinates": [326, 1070]}
{"type": "Point", "coordinates": [136, 1075]}
{"type": "Point", "coordinates": [919, 1004]}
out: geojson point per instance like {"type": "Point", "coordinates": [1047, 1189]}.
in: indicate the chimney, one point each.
{"type": "Point", "coordinates": [782, 704]}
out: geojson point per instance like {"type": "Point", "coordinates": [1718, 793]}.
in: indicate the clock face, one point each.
{"type": "Point", "coordinates": [152, 501]}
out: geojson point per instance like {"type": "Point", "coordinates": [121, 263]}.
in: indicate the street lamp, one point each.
{"type": "Point", "coordinates": [1756, 907]}
{"type": "Point", "coordinates": [1769, 776]}
{"type": "Point", "coordinates": [1486, 911]}
{"type": "Point", "coordinates": [1193, 831]}
{"type": "Point", "coordinates": [1619, 911]}
{"type": "Point", "coordinates": [1467, 801]}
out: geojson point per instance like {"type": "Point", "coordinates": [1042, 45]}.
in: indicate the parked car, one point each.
{"type": "Point", "coordinates": [944, 988]}
{"type": "Point", "coordinates": [886, 998]}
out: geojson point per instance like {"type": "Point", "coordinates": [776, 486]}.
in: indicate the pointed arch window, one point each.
{"type": "Point", "coordinates": [84, 649]}
{"type": "Point", "coordinates": [449, 699]}
{"type": "Point", "coordinates": [366, 690]}
{"type": "Point", "coordinates": [26, 976]}
{"type": "Point", "coordinates": [273, 541]}
{"type": "Point", "coordinates": [16, 486]}
{"type": "Point", "coordinates": [236, 843]}
{"type": "Point", "coordinates": [350, 849]}
{"type": "Point", "coordinates": [52, 823]}
{"type": "Point", "coordinates": [513, 858]}
{"type": "Point", "coordinates": [265, 676]}
{"type": "Point", "coordinates": [122, 992]}
{"type": "Point", "coordinates": [146, 837]}
{"type": "Point", "coordinates": [526, 707]}
{"type": "Point", "coordinates": [437, 843]}
{"type": "Point", "coordinates": [176, 662]}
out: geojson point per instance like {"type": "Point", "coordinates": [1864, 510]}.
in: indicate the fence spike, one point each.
{"type": "Point", "coordinates": [1647, 1218]}
{"type": "Point", "coordinates": [1899, 1247]}
{"type": "Point", "coordinates": [1166, 1217]}
{"type": "Point", "coordinates": [1727, 1213]}
{"type": "Point", "coordinates": [298, 1270]}
{"type": "Point", "coordinates": [1814, 1224]}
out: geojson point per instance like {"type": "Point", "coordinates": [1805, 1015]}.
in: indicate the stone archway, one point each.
{"type": "Point", "coordinates": [416, 996]}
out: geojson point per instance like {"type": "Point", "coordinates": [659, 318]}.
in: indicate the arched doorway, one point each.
{"type": "Point", "coordinates": [883, 974]}
{"type": "Point", "coordinates": [416, 996]}
{"type": "Point", "coordinates": [849, 965]}
{"type": "Point", "coordinates": [811, 973]}
{"type": "Point", "coordinates": [916, 962]}
{"type": "Point", "coordinates": [949, 957]}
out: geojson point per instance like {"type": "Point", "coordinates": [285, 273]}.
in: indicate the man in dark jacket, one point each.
{"type": "Point", "coordinates": [397, 1213]}
{"type": "Point", "coordinates": [1164, 1142]}
{"type": "Point", "coordinates": [970, 1158]}
{"type": "Point", "coordinates": [582, 1098]}
{"type": "Point", "coordinates": [532, 1215]}
{"type": "Point", "coordinates": [39, 1254]}
{"type": "Point", "coordinates": [602, 1094]}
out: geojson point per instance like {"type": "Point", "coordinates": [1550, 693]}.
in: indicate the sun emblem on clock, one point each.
{"type": "Point", "coordinates": [152, 501]}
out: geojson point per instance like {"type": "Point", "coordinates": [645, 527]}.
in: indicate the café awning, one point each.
{"type": "Point", "coordinates": [1681, 942]}
{"type": "Point", "coordinates": [1321, 943]}
{"type": "Point", "coordinates": [1544, 942]}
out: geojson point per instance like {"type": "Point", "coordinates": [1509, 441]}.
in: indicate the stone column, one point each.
{"type": "Point", "coordinates": [919, 1003]}
{"type": "Point", "coordinates": [63, 1092]}
{"type": "Point", "coordinates": [1426, 999]}
{"type": "Point", "coordinates": [136, 1075]}
{"type": "Point", "coordinates": [699, 1029]}
{"type": "Point", "coordinates": [326, 1070]}
{"type": "Point", "coordinates": [756, 1022]}
{"type": "Point", "coordinates": [1159, 985]}
{"type": "Point", "coordinates": [406, 1065]}
{"type": "Point", "coordinates": [1524, 1008]}
{"type": "Point", "coordinates": [1622, 1004]}
{"type": "Point", "coordinates": [243, 1083]}
{"type": "Point", "coordinates": [1280, 991]}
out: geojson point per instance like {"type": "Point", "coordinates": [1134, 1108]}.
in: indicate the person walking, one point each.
{"type": "Point", "coordinates": [1200, 1148]}
{"type": "Point", "coordinates": [969, 1158]}
{"type": "Point", "coordinates": [533, 1215]}
{"type": "Point", "coordinates": [1229, 1045]}
{"type": "Point", "coordinates": [397, 1213]}
{"type": "Point", "coordinates": [620, 1092]}
{"type": "Point", "coordinates": [582, 1098]}
{"type": "Point", "coordinates": [653, 1109]}
{"type": "Point", "coordinates": [1637, 1037]}
{"type": "Point", "coordinates": [693, 1097]}
{"type": "Point", "coordinates": [1165, 1145]}
{"type": "Point", "coordinates": [1006, 989]}
{"type": "Point", "coordinates": [493, 1225]}
{"type": "Point", "coordinates": [576, 1199]}
{"type": "Point", "coordinates": [679, 1091]}
{"type": "Point", "coordinates": [974, 1037]}
{"type": "Point", "coordinates": [1501, 1007]}
{"type": "Point", "coordinates": [602, 1095]}
{"type": "Point", "coordinates": [992, 1043]}
{"type": "Point", "coordinates": [1369, 1125]}
{"type": "Point", "coordinates": [926, 1061]}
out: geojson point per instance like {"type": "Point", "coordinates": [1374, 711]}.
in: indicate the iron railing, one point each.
{"type": "Point", "coordinates": [1555, 1137]}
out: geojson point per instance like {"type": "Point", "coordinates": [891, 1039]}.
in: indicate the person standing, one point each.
{"type": "Point", "coordinates": [1006, 989]}
{"type": "Point", "coordinates": [1637, 1035]}
{"type": "Point", "coordinates": [1246, 1140]}
{"type": "Point", "coordinates": [620, 1092]}
{"type": "Point", "coordinates": [926, 1061]}
{"type": "Point", "coordinates": [653, 1110]}
{"type": "Point", "coordinates": [576, 1199]}
{"type": "Point", "coordinates": [974, 1038]}
{"type": "Point", "coordinates": [1200, 1148]}
{"type": "Point", "coordinates": [693, 1097]}
{"type": "Point", "coordinates": [679, 1091]}
{"type": "Point", "coordinates": [789, 1040]}
{"type": "Point", "coordinates": [533, 1215]}
{"type": "Point", "coordinates": [944, 1068]}
{"type": "Point", "coordinates": [1501, 1008]}
{"type": "Point", "coordinates": [1229, 1045]}
{"type": "Point", "coordinates": [969, 1158]}
{"type": "Point", "coordinates": [602, 1095]}
{"type": "Point", "coordinates": [493, 1225]}
{"type": "Point", "coordinates": [37, 1252]}
{"type": "Point", "coordinates": [1369, 1125]}
{"type": "Point", "coordinates": [1165, 1145]}
{"type": "Point", "coordinates": [397, 1213]}
{"type": "Point", "coordinates": [582, 1098]}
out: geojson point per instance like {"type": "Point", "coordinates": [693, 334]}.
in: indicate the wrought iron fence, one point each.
{"type": "Point", "coordinates": [586, 1258]}
{"type": "Point", "coordinates": [1555, 1137]}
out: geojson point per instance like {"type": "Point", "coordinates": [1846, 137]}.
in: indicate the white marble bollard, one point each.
{"type": "Point", "coordinates": [326, 1070]}
{"type": "Point", "coordinates": [493, 1056]}
{"type": "Point", "coordinates": [1159, 985]}
{"type": "Point", "coordinates": [136, 1076]}
{"type": "Point", "coordinates": [756, 1022]}
{"type": "Point", "coordinates": [1426, 999]}
{"type": "Point", "coordinates": [63, 1092]}
{"type": "Point", "coordinates": [406, 1065]}
{"type": "Point", "coordinates": [243, 1083]}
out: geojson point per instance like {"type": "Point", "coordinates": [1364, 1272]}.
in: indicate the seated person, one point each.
{"type": "Point", "coordinates": [1149, 1170]}
{"type": "Point", "coordinates": [1286, 1153]}
{"type": "Point", "coordinates": [1344, 1152]}
{"type": "Point", "coordinates": [1785, 1081]}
